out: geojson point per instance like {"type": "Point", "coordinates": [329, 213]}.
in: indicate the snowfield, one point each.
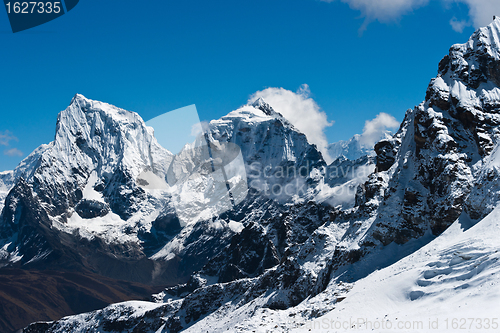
{"type": "Point", "coordinates": [451, 284]}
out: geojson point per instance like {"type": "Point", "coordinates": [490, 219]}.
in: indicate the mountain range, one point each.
{"type": "Point", "coordinates": [283, 241]}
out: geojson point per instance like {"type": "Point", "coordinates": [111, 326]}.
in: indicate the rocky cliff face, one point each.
{"type": "Point", "coordinates": [436, 162]}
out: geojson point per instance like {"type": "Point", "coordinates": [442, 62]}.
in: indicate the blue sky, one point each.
{"type": "Point", "coordinates": [155, 56]}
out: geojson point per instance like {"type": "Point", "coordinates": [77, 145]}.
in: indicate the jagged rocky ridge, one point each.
{"type": "Point", "coordinates": [300, 258]}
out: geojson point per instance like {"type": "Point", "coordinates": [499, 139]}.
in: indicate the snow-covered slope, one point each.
{"type": "Point", "coordinates": [447, 284]}
{"type": "Point", "coordinates": [450, 284]}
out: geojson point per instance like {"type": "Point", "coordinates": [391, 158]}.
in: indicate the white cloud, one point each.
{"type": "Point", "coordinates": [301, 110]}
{"type": "Point", "coordinates": [480, 11]}
{"type": "Point", "coordinates": [13, 152]}
{"type": "Point", "coordinates": [6, 137]}
{"type": "Point", "coordinates": [374, 129]}
{"type": "Point", "coordinates": [199, 128]}
{"type": "Point", "coordinates": [383, 10]}
{"type": "Point", "coordinates": [196, 129]}
{"type": "Point", "coordinates": [457, 25]}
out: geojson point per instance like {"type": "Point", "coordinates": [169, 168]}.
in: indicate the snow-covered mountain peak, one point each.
{"type": "Point", "coordinates": [80, 105]}
{"type": "Point", "coordinates": [98, 149]}
{"type": "Point", "coordinates": [108, 136]}
{"type": "Point", "coordinates": [434, 161]}
{"type": "Point", "coordinates": [245, 113]}
{"type": "Point", "coordinates": [484, 41]}
{"type": "Point", "coordinates": [475, 63]}
{"type": "Point", "coordinates": [258, 102]}
{"type": "Point", "coordinates": [261, 104]}
{"type": "Point", "coordinates": [263, 134]}
{"type": "Point", "coordinates": [487, 39]}
{"type": "Point", "coordinates": [79, 98]}
{"type": "Point", "coordinates": [85, 183]}
{"type": "Point", "coordinates": [255, 112]}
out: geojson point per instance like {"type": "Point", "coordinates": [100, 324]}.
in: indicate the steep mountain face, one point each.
{"type": "Point", "coordinates": [299, 258]}
{"type": "Point", "coordinates": [72, 201]}
{"type": "Point", "coordinates": [257, 148]}
{"type": "Point", "coordinates": [439, 154]}
{"type": "Point", "coordinates": [80, 202]}
{"type": "Point", "coordinates": [281, 168]}
{"type": "Point", "coordinates": [274, 152]}
{"type": "Point", "coordinates": [5, 186]}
